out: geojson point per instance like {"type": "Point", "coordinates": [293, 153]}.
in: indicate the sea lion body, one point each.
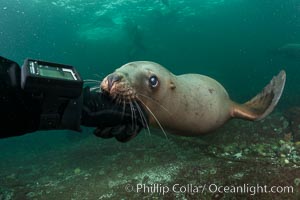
{"type": "Point", "coordinates": [197, 105]}
{"type": "Point", "coordinates": [189, 104]}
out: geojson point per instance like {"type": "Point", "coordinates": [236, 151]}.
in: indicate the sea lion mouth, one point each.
{"type": "Point", "coordinates": [112, 79]}
{"type": "Point", "coordinates": [118, 90]}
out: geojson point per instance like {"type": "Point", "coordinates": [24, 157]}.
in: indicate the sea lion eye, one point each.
{"type": "Point", "coordinates": [153, 80]}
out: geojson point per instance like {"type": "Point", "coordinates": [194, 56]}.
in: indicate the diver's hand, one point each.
{"type": "Point", "coordinates": [111, 119]}
{"type": "Point", "coordinates": [122, 132]}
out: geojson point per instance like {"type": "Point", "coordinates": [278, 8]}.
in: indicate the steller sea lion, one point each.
{"type": "Point", "coordinates": [291, 51]}
{"type": "Point", "coordinates": [188, 104]}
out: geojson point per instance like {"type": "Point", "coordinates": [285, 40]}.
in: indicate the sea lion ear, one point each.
{"type": "Point", "coordinates": [172, 85]}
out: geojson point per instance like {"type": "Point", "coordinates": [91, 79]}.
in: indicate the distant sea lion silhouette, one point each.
{"type": "Point", "coordinates": [135, 38]}
{"type": "Point", "coordinates": [291, 51]}
{"type": "Point", "coordinates": [188, 104]}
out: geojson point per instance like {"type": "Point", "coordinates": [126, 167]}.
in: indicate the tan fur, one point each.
{"type": "Point", "coordinates": [189, 104]}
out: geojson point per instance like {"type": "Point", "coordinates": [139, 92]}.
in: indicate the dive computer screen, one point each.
{"type": "Point", "coordinates": [51, 71]}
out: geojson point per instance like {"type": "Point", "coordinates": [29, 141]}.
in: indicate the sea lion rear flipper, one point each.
{"type": "Point", "coordinates": [263, 103]}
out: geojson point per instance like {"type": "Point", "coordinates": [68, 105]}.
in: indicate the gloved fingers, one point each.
{"type": "Point", "coordinates": [130, 133]}
{"type": "Point", "coordinates": [122, 133]}
{"type": "Point", "coordinates": [100, 110]}
{"type": "Point", "coordinates": [103, 132]}
{"type": "Point", "coordinates": [109, 132]}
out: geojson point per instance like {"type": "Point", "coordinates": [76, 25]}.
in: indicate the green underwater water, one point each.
{"type": "Point", "coordinates": [233, 41]}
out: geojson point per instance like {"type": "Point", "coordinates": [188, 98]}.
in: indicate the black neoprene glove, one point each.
{"type": "Point", "coordinates": [111, 119]}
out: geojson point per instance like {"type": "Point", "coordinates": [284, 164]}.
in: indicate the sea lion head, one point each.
{"type": "Point", "coordinates": [139, 81]}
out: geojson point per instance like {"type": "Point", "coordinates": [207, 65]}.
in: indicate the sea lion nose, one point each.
{"type": "Point", "coordinates": [112, 78]}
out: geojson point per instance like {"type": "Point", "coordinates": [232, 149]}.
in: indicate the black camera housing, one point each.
{"type": "Point", "coordinates": [61, 80]}
{"type": "Point", "coordinates": [58, 89]}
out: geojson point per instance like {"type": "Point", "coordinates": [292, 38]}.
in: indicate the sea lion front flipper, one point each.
{"type": "Point", "coordinates": [263, 103]}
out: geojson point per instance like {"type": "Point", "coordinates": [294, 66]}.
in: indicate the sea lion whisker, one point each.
{"type": "Point", "coordinates": [154, 118]}
{"type": "Point", "coordinates": [96, 88]}
{"type": "Point", "coordinates": [131, 109]}
{"type": "Point", "coordinates": [98, 75]}
{"type": "Point", "coordinates": [119, 100]}
{"type": "Point", "coordinates": [91, 81]}
{"type": "Point", "coordinates": [143, 118]}
{"type": "Point", "coordinates": [153, 100]}
{"type": "Point", "coordinates": [134, 115]}
{"type": "Point", "coordinates": [123, 112]}
{"type": "Point", "coordinates": [144, 122]}
{"type": "Point", "coordinates": [115, 97]}
{"type": "Point", "coordinates": [94, 84]}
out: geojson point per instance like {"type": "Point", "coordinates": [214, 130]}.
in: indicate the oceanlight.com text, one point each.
{"type": "Point", "coordinates": [210, 188]}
